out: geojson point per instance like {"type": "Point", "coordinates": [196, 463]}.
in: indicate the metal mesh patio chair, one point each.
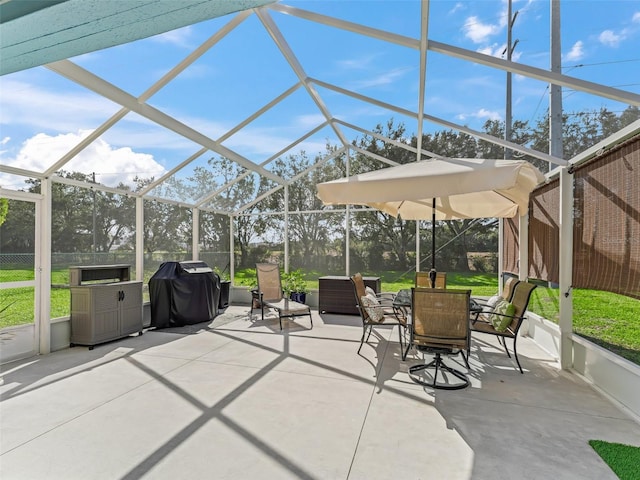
{"type": "Point", "coordinates": [506, 326]}
{"type": "Point", "coordinates": [270, 294]}
{"type": "Point", "coordinates": [440, 326]}
{"type": "Point", "coordinates": [377, 312]}
{"type": "Point", "coordinates": [423, 279]}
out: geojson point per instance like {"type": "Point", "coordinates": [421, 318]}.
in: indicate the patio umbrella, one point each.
{"type": "Point", "coordinates": [433, 189]}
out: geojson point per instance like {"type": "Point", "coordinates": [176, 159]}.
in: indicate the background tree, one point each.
{"type": "Point", "coordinates": [387, 150]}
{"type": "Point", "coordinates": [115, 220]}
{"type": "Point", "coordinates": [310, 234]}
{"type": "Point", "coordinates": [449, 143]}
{"type": "Point", "coordinates": [4, 208]}
{"type": "Point", "coordinates": [580, 130]}
{"type": "Point", "coordinates": [17, 233]}
{"type": "Point", "coordinates": [376, 237]}
{"type": "Point", "coordinates": [385, 241]}
{"type": "Point", "coordinates": [237, 191]}
{"type": "Point", "coordinates": [167, 226]}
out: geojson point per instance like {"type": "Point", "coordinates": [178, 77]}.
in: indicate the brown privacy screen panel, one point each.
{"type": "Point", "coordinates": [510, 245]}
{"type": "Point", "coordinates": [544, 214]}
{"type": "Point", "coordinates": [606, 233]}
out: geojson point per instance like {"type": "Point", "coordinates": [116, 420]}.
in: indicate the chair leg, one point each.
{"type": "Point", "coordinates": [405, 352]}
{"type": "Point", "coordinates": [504, 344]}
{"type": "Point", "coordinates": [364, 332]}
{"type": "Point", "coordinates": [466, 358]}
{"type": "Point", "coordinates": [400, 338]}
{"type": "Point", "coordinates": [439, 365]}
{"type": "Point", "coordinates": [515, 354]}
{"type": "Point", "coordinates": [370, 330]}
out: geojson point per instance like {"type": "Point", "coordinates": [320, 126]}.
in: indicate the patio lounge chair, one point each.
{"type": "Point", "coordinates": [270, 294]}
{"type": "Point", "coordinates": [376, 311]}
{"type": "Point", "coordinates": [440, 326]}
{"type": "Point", "coordinates": [423, 279]}
{"type": "Point", "coordinates": [504, 325]}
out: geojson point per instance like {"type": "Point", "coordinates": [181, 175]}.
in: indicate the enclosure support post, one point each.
{"type": "Point", "coordinates": [500, 253]}
{"type": "Point", "coordinates": [523, 253]}
{"type": "Point", "coordinates": [286, 228]}
{"type": "Point", "coordinates": [195, 229]}
{"type": "Point", "coordinates": [232, 263]}
{"type": "Point", "coordinates": [565, 248]}
{"type": "Point", "coordinates": [417, 245]}
{"type": "Point", "coordinates": [43, 268]}
{"type": "Point", "coordinates": [347, 239]}
{"type": "Point", "coordinates": [555, 91]}
{"type": "Point", "coordinates": [347, 223]}
{"type": "Point", "coordinates": [139, 239]}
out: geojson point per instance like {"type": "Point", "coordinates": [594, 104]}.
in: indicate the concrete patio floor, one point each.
{"type": "Point", "coordinates": [240, 399]}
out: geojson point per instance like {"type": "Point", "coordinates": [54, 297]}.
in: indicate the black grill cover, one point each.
{"type": "Point", "coordinates": [183, 293]}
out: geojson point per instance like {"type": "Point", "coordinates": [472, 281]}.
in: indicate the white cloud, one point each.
{"type": "Point", "coordinates": [494, 50]}
{"type": "Point", "coordinates": [180, 37]}
{"type": "Point", "coordinates": [576, 52]}
{"type": "Point", "coordinates": [352, 64]}
{"type": "Point", "coordinates": [481, 114]}
{"type": "Point", "coordinates": [636, 17]}
{"type": "Point", "coordinates": [41, 109]}
{"type": "Point", "coordinates": [458, 6]}
{"type": "Point", "coordinates": [309, 120]}
{"type": "Point", "coordinates": [385, 78]}
{"type": "Point", "coordinates": [111, 165]}
{"type": "Point", "coordinates": [500, 51]}
{"type": "Point", "coordinates": [359, 63]}
{"type": "Point", "coordinates": [610, 38]}
{"type": "Point", "coordinates": [479, 32]}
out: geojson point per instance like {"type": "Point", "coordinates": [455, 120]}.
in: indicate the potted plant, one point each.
{"type": "Point", "coordinates": [225, 286]}
{"type": "Point", "coordinates": [252, 283]}
{"type": "Point", "coordinates": [295, 286]}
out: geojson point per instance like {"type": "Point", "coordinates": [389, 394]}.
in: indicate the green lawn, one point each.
{"type": "Point", "coordinates": [609, 320]}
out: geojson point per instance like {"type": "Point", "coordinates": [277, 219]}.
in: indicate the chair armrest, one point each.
{"type": "Point", "coordinates": [386, 310]}
{"type": "Point", "coordinates": [512, 317]}
{"type": "Point", "coordinates": [386, 298]}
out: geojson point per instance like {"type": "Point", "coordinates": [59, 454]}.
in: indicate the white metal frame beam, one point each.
{"type": "Point", "coordinates": [464, 54]}
{"type": "Point", "coordinates": [98, 85]}
{"type": "Point", "coordinates": [209, 196]}
{"type": "Point", "coordinates": [156, 87]}
{"type": "Point", "coordinates": [295, 65]}
{"type": "Point", "coordinates": [440, 121]}
{"type": "Point", "coordinates": [424, 29]}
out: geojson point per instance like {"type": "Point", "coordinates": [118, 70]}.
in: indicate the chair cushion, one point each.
{"type": "Point", "coordinates": [372, 307]}
{"type": "Point", "coordinates": [369, 291]}
{"type": "Point", "coordinates": [501, 322]}
{"type": "Point", "coordinates": [491, 303]}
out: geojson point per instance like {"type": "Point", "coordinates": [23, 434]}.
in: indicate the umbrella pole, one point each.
{"type": "Point", "coordinates": [432, 272]}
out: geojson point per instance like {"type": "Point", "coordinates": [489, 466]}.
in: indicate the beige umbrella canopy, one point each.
{"type": "Point", "coordinates": [449, 189]}
{"type": "Point", "coordinates": [462, 188]}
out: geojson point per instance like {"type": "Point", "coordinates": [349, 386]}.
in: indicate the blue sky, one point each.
{"type": "Point", "coordinates": [43, 115]}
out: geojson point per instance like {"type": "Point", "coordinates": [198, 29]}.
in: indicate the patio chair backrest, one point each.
{"type": "Point", "coordinates": [520, 300]}
{"type": "Point", "coordinates": [509, 288]}
{"type": "Point", "coordinates": [359, 289]}
{"type": "Point", "coordinates": [269, 282]}
{"type": "Point", "coordinates": [424, 280]}
{"type": "Point", "coordinates": [440, 318]}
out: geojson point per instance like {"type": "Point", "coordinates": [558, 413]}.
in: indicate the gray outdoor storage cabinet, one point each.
{"type": "Point", "coordinates": [101, 312]}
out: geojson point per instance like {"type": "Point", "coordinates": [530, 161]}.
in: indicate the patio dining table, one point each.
{"type": "Point", "coordinates": [402, 302]}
